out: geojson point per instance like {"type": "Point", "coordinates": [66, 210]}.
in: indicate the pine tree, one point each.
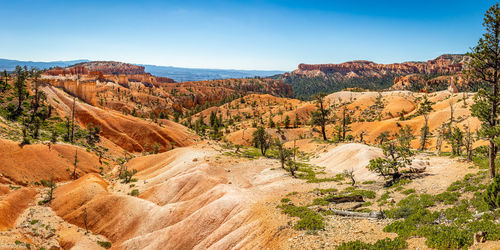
{"type": "Point", "coordinates": [424, 109]}
{"type": "Point", "coordinates": [346, 120]}
{"type": "Point", "coordinates": [20, 86]}
{"type": "Point", "coordinates": [75, 165]}
{"type": "Point", "coordinates": [424, 138]}
{"type": "Point", "coordinates": [320, 116]}
{"type": "Point", "coordinates": [484, 68]}
{"type": "Point", "coordinates": [261, 140]}
{"type": "Point", "coordinates": [284, 153]}
{"type": "Point", "coordinates": [286, 122]}
{"type": "Point", "coordinates": [379, 106]}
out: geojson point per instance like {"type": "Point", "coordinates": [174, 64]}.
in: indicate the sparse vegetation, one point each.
{"type": "Point", "coordinates": [397, 156]}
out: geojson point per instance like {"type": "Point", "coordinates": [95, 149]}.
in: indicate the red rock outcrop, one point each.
{"type": "Point", "coordinates": [128, 132]}
{"type": "Point", "coordinates": [75, 70]}
{"type": "Point", "coordinates": [110, 67]}
{"type": "Point", "coordinates": [445, 64]}
{"type": "Point", "coordinates": [85, 90]}
{"type": "Point", "coordinates": [117, 72]}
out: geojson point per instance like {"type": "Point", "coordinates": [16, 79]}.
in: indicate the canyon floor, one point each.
{"type": "Point", "coordinates": [208, 196]}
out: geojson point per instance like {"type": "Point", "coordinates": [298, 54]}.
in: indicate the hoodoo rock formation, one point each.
{"type": "Point", "coordinates": [129, 89]}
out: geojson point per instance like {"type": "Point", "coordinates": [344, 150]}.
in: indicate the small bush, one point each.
{"type": "Point", "coordinates": [384, 244]}
{"type": "Point", "coordinates": [448, 197]}
{"type": "Point", "coordinates": [105, 244]}
{"type": "Point", "coordinates": [365, 193]}
{"type": "Point", "coordinates": [285, 200]}
{"type": "Point", "coordinates": [492, 195]}
{"type": "Point", "coordinates": [320, 201]}
{"type": "Point", "coordinates": [135, 192]}
{"type": "Point", "coordinates": [309, 220]}
{"type": "Point", "coordinates": [409, 191]}
{"type": "Point", "coordinates": [445, 237]}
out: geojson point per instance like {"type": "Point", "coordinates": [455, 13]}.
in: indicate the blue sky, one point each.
{"type": "Point", "coordinates": [275, 35]}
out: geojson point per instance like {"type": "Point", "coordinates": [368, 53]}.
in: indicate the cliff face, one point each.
{"type": "Point", "coordinates": [117, 72]}
{"type": "Point", "coordinates": [445, 64]}
{"type": "Point", "coordinates": [83, 90]}
{"type": "Point", "coordinates": [309, 79]}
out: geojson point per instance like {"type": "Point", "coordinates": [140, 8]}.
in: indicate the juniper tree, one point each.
{"type": "Point", "coordinates": [383, 137]}
{"type": "Point", "coordinates": [397, 155]}
{"type": "Point", "coordinates": [484, 68]}
{"type": "Point", "coordinates": [350, 174]}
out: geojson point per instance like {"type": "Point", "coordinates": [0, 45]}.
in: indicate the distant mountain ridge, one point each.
{"type": "Point", "coordinates": [177, 73]}
{"type": "Point", "coordinates": [198, 74]}
{"type": "Point", "coordinates": [10, 65]}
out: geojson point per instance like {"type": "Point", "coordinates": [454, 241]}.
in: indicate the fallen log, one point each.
{"type": "Point", "coordinates": [342, 199]}
{"type": "Point", "coordinates": [355, 207]}
{"type": "Point", "coordinates": [374, 215]}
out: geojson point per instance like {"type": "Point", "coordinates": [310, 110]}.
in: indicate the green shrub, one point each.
{"type": "Point", "coordinates": [384, 244]}
{"type": "Point", "coordinates": [458, 214]}
{"type": "Point", "coordinates": [491, 229]}
{"type": "Point", "coordinates": [479, 202]}
{"type": "Point", "coordinates": [409, 191]}
{"type": "Point", "coordinates": [285, 200]}
{"type": "Point", "coordinates": [415, 201]}
{"type": "Point", "coordinates": [451, 228]}
{"type": "Point", "coordinates": [325, 191]}
{"type": "Point", "coordinates": [135, 192]}
{"type": "Point", "coordinates": [383, 198]}
{"type": "Point", "coordinates": [365, 193]}
{"type": "Point", "coordinates": [448, 197]}
{"type": "Point", "coordinates": [492, 195]}
{"type": "Point", "coordinates": [445, 237]}
{"type": "Point", "coordinates": [105, 244]}
{"type": "Point", "coordinates": [320, 201]}
{"type": "Point", "coordinates": [309, 219]}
